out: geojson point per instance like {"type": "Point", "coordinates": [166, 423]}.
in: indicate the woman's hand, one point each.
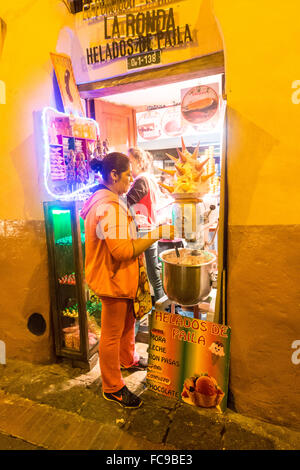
{"type": "Point", "coordinates": [162, 231]}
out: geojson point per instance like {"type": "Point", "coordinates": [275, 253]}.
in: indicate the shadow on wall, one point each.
{"type": "Point", "coordinates": [68, 43]}
{"type": "Point", "coordinates": [207, 29]}
{"type": "Point", "coordinates": [248, 147]}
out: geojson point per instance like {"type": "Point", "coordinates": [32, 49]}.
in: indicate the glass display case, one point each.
{"type": "Point", "coordinates": [76, 310]}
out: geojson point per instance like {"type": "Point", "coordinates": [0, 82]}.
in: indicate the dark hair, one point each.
{"type": "Point", "coordinates": [113, 161]}
{"type": "Point", "coordinates": [141, 157]}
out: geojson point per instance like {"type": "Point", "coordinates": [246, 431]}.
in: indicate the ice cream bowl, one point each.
{"type": "Point", "coordinates": [184, 283]}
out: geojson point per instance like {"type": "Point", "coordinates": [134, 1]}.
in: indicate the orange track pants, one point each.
{"type": "Point", "coordinates": [117, 341]}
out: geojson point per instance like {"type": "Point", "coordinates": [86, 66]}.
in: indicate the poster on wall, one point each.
{"type": "Point", "coordinates": [189, 360]}
{"type": "Point", "coordinates": [65, 77]}
{"type": "Point", "coordinates": [200, 106]}
{"type": "Point", "coordinates": [3, 30]}
{"type": "Point", "coordinates": [160, 123]}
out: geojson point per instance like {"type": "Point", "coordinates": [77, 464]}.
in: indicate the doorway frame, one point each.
{"type": "Point", "coordinates": [211, 64]}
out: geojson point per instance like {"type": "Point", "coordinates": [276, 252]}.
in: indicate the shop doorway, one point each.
{"type": "Point", "coordinates": [148, 114]}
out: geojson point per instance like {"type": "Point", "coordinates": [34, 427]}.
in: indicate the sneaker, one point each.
{"type": "Point", "coordinates": [124, 398]}
{"type": "Point", "coordinates": [141, 364]}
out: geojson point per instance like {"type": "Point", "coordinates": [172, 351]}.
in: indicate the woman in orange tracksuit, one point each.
{"type": "Point", "coordinates": [112, 272]}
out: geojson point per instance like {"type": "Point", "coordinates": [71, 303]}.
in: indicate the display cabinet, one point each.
{"type": "Point", "coordinates": [75, 309]}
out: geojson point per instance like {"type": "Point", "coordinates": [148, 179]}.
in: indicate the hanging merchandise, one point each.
{"type": "Point", "coordinates": [69, 145]}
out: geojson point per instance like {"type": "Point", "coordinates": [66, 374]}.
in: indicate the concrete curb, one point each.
{"type": "Point", "coordinates": [53, 429]}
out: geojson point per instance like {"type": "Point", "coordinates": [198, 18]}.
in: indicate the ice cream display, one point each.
{"type": "Point", "coordinates": [191, 175]}
{"type": "Point", "coordinates": [202, 391]}
{"type": "Point", "coordinates": [188, 259]}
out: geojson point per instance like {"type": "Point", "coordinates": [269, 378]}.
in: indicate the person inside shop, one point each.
{"type": "Point", "coordinates": [146, 200]}
{"type": "Point", "coordinates": [112, 272]}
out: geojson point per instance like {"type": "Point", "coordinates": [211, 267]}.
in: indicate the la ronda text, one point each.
{"type": "Point", "coordinates": [144, 32]}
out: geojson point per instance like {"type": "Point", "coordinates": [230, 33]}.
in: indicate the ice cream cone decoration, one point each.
{"type": "Point", "coordinates": [169, 172]}
{"type": "Point", "coordinates": [168, 188]}
{"type": "Point", "coordinates": [202, 391]}
{"type": "Point", "coordinates": [217, 351]}
{"type": "Point", "coordinates": [190, 174]}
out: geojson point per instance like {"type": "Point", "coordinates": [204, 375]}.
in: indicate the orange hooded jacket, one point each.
{"type": "Point", "coordinates": [111, 270]}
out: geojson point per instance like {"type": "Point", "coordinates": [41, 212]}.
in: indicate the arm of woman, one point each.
{"type": "Point", "coordinates": [138, 190]}
{"type": "Point", "coordinates": [115, 230]}
{"type": "Point", "coordinates": [162, 231]}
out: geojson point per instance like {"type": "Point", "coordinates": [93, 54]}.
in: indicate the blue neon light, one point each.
{"type": "Point", "coordinates": [79, 193]}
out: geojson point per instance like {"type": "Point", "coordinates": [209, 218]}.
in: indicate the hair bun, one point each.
{"type": "Point", "coordinates": [96, 165]}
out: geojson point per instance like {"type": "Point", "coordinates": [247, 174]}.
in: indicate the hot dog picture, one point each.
{"type": "Point", "coordinates": [199, 104]}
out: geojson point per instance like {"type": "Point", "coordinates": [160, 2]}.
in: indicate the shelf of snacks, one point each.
{"type": "Point", "coordinates": [72, 332]}
{"type": "Point", "coordinates": [76, 314]}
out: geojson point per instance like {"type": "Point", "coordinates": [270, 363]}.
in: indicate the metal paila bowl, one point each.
{"type": "Point", "coordinates": [185, 284]}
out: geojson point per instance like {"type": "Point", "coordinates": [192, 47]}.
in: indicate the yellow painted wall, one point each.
{"type": "Point", "coordinates": [261, 42]}
{"type": "Point", "coordinates": [33, 28]}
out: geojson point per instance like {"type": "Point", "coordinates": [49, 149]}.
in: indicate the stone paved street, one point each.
{"type": "Point", "coordinates": [58, 407]}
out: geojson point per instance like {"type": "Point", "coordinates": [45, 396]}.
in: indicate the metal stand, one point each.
{"type": "Point", "coordinates": [199, 310]}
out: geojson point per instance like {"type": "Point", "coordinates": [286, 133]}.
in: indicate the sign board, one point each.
{"type": "Point", "coordinates": [138, 33]}
{"type": "Point", "coordinates": [189, 359]}
{"type": "Point", "coordinates": [143, 60]}
{"type": "Point", "coordinates": [68, 89]}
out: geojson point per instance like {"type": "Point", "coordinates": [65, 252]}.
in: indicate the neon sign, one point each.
{"type": "Point", "coordinates": [69, 143]}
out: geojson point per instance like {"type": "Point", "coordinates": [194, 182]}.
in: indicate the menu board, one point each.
{"type": "Point", "coordinates": [160, 123]}
{"type": "Point", "coordinates": [198, 111]}
{"type": "Point", "coordinates": [189, 359]}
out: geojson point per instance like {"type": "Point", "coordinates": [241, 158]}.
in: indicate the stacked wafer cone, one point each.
{"type": "Point", "coordinates": [191, 175]}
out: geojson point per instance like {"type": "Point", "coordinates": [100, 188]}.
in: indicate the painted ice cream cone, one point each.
{"type": "Point", "coordinates": [217, 351]}
{"type": "Point", "coordinates": [202, 391]}
{"type": "Point", "coordinates": [214, 358]}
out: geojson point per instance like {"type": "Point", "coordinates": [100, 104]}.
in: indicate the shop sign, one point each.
{"type": "Point", "coordinates": [93, 9]}
{"type": "Point", "coordinates": [189, 360]}
{"type": "Point", "coordinates": [139, 33]}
